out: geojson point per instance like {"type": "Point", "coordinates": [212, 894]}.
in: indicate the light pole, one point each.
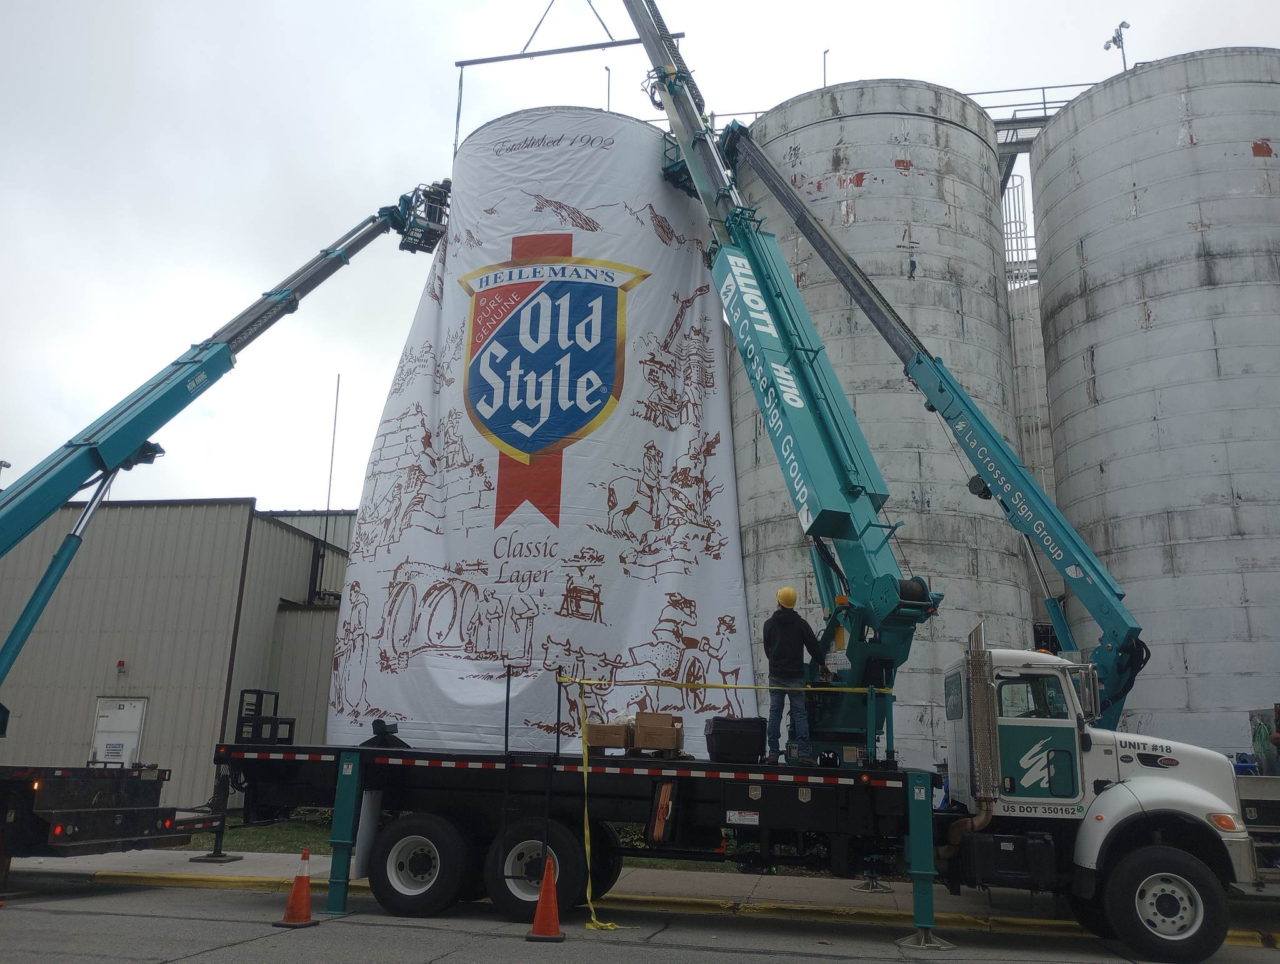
{"type": "Point", "coordinates": [824, 66]}
{"type": "Point", "coordinates": [4, 465]}
{"type": "Point", "coordinates": [608, 86]}
{"type": "Point", "coordinates": [1117, 40]}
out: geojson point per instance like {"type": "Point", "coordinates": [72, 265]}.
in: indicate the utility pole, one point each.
{"type": "Point", "coordinates": [1117, 40]}
{"type": "Point", "coordinates": [608, 85]}
{"type": "Point", "coordinates": [824, 66]}
{"type": "Point", "coordinates": [5, 465]}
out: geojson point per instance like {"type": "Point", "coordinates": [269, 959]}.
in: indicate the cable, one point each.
{"type": "Point", "coordinates": [1141, 652]}
{"type": "Point", "coordinates": [824, 551]}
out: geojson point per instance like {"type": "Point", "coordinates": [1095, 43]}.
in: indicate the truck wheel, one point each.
{"type": "Point", "coordinates": [1091, 915]}
{"type": "Point", "coordinates": [418, 865]}
{"type": "Point", "coordinates": [1167, 905]}
{"type": "Point", "coordinates": [513, 870]}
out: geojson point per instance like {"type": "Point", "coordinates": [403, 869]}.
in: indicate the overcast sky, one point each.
{"type": "Point", "coordinates": [164, 162]}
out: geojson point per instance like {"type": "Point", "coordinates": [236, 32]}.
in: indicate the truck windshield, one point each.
{"type": "Point", "coordinates": [1031, 696]}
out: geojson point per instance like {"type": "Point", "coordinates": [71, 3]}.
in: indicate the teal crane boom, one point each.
{"type": "Point", "coordinates": [832, 478]}
{"type": "Point", "coordinates": [831, 475]}
{"type": "Point", "coordinates": [1120, 654]}
{"type": "Point", "coordinates": [120, 439]}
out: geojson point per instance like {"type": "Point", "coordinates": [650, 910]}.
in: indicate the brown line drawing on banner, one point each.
{"type": "Point", "coordinates": [681, 373]}
{"type": "Point", "coordinates": [411, 484]}
{"type": "Point", "coordinates": [565, 213]}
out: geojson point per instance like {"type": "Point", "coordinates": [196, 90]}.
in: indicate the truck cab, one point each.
{"type": "Point", "coordinates": [1142, 835]}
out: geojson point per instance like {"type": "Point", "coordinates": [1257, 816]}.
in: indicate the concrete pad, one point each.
{"type": "Point", "coordinates": [172, 862]}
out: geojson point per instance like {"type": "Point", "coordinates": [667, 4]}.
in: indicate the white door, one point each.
{"type": "Point", "coordinates": [117, 732]}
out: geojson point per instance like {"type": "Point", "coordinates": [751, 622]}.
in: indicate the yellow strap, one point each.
{"type": "Point", "coordinates": [718, 686]}
{"type": "Point", "coordinates": [595, 924]}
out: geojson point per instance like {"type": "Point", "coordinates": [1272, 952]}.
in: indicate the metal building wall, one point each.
{"type": "Point", "coordinates": [301, 668]}
{"type": "Point", "coordinates": [341, 525]}
{"type": "Point", "coordinates": [154, 585]}
{"type": "Point", "coordinates": [312, 521]}
{"type": "Point", "coordinates": [905, 174]}
{"type": "Point", "coordinates": [277, 570]}
{"type": "Point", "coordinates": [1157, 207]}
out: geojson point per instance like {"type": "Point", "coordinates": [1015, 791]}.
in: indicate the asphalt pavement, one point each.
{"type": "Point", "coordinates": [86, 922]}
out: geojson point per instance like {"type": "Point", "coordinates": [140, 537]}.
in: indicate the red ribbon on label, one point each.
{"type": "Point", "coordinates": [537, 483]}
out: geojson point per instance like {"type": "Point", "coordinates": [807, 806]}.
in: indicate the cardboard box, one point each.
{"type": "Point", "coordinates": [659, 731]}
{"type": "Point", "coordinates": [655, 719]}
{"type": "Point", "coordinates": [609, 735]}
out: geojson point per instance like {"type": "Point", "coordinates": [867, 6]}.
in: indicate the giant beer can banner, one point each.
{"type": "Point", "coordinates": [551, 488]}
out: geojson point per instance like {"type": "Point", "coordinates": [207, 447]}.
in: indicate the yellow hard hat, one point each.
{"type": "Point", "coordinates": [787, 597]}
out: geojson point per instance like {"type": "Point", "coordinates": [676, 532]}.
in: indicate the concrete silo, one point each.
{"type": "Point", "coordinates": [905, 175]}
{"type": "Point", "coordinates": [1157, 208]}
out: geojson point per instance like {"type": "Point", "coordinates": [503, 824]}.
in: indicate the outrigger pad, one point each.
{"type": "Point", "coordinates": [925, 940]}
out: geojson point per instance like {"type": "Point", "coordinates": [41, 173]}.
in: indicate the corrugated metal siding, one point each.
{"type": "Point", "coordinates": [301, 668]}
{"type": "Point", "coordinates": [154, 585]}
{"type": "Point", "coordinates": [341, 523]}
{"type": "Point", "coordinates": [279, 567]}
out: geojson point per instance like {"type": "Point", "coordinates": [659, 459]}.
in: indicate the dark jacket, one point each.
{"type": "Point", "coordinates": [786, 637]}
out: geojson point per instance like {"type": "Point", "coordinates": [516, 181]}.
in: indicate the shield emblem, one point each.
{"type": "Point", "coordinates": [545, 350]}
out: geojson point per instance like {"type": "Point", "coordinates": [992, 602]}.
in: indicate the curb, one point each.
{"type": "Point", "coordinates": [709, 906]}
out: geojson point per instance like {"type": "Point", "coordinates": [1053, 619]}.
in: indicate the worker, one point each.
{"type": "Point", "coordinates": [786, 636]}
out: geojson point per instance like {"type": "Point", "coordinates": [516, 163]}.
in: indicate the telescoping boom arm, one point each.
{"type": "Point", "coordinates": [834, 482]}
{"type": "Point", "coordinates": [120, 439]}
{"type": "Point", "coordinates": [1120, 654]}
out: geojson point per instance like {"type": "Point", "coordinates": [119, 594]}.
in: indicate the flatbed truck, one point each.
{"type": "Point", "coordinates": [1143, 838]}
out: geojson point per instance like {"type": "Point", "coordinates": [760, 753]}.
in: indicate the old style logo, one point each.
{"type": "Point", "coordinates": [544, 360]}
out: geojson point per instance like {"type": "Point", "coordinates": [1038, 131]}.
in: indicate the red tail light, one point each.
{"type": "Point", "coordinates": [168, 824]}
{"type": "Point", "coordinates": [57, 831]}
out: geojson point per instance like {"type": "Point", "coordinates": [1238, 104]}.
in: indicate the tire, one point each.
{"type": "Point", "coordinates": [1090, 914]}
{"type": "Point", "coordinates": [606, 862]}
{"type": "Point", "coordinates": [1166, 905]}
{"type": "Point", "coordinates": [418, 865]}
{"type": "Point", "coordinates": [519, 852]}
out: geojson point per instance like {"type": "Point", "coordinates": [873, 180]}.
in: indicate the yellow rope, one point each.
{"type": "Point", "coordinates": [595, 924]}
{"type": "Point", "coordinates": [718, 686]}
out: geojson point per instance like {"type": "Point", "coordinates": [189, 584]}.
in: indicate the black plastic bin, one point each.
{"type": "Point", "coordinates": [734, 739]}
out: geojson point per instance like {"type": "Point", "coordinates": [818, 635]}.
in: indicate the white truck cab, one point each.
{"type": "Point", "coordinates": [1144, 836]}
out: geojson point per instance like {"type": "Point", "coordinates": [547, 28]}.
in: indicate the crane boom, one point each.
{"type": "Point", "coordinates": [120, 439]}
{"type": "Point", "coordinates": [832, 477]}
{"type": "Point", "coordinates": [1120, 654]}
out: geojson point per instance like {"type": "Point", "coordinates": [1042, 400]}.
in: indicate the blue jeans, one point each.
{"type": "Point", "coordinates": [799, 715]}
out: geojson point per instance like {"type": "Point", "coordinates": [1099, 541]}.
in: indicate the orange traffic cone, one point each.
{"type": "Point", "coordinates": [546, 919]}
{"type": "Point", "coordinates": [297, 913]}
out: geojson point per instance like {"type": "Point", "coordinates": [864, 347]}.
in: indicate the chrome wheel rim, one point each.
{"type": "Point", "coordinates": [413, 865]}
{"type": "Point", "coordinates": [523, 869]}
{"type": "Point", "coordinates": [1169, 906]}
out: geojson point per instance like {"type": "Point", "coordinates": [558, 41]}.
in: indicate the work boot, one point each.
{"type": "Point", "coordinates": [806, 761]}
{"type": "Point", "coordinates": [771, 759]}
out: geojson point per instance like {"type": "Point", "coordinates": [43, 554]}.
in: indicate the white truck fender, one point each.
{"type": "Point", "coordinates": [1108, 810]}
{"type": "Point", "coordinates": [1150, 795]}
{"type": "Point", "coordinates": [1157, 793]}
